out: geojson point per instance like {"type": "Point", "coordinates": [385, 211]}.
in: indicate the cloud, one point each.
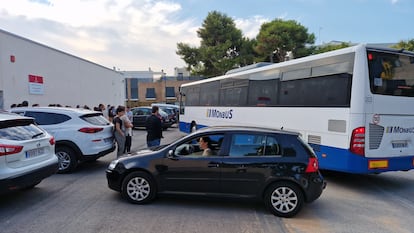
{"type": "Point", "coordinates": [127, 34]}
{"type": "Point", "coordinates": [250, 26]}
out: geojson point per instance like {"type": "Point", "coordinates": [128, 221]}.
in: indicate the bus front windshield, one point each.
{"type": "Point", "coordinates": [391, 73]}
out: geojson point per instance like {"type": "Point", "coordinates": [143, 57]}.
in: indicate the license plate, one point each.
{"type": "Point", "coordinates": [400, 144]}
{"type": "Point", "coordinates": [35, 152]}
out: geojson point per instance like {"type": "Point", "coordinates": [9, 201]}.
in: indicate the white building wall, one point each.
{"type": "Point", "coordinates": [67, 79]}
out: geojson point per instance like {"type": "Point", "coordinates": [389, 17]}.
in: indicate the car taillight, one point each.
{"type": "Point", "coordinates": [90, 130]}
{"type": "Point", "coordinates": [313, 165]}
{"type": "Point", "coordinates": [52, 141]}
{"type": "Point", "coordinates": [357, 145]}
{"type": "Point", "coordinates": [9, 149]}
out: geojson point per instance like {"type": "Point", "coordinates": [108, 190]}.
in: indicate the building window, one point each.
{"type": "Point", "coordinates": [150, 95]}
{"type": "Point", "coordinates": [134, 89]}
{"type": "Point", "coordinates": [170, 93]}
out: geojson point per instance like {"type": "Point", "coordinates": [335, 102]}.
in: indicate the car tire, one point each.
{"type": "Point", "coordinates": [138, 188]}
{"type": "Point", "coordinates": [67, 159]}
{"type": "Point", "coordinates": [284, 199]}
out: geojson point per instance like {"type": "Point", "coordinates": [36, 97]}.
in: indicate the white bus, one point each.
{"type": "Point", "coordinates": [354, 106]}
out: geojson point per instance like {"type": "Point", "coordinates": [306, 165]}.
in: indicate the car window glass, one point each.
{"type": "Point", "coordinates": [192, 146]}
{"type": "Point", "coordinates": [247, 144]}
{"type": "Point", "coordinates": [271, 147]}
{"type": "Point", "coordinates": [46, 118]}
{"type": "Point", "coordinates": [291, 146]}
{"type": "Point", "coordinates": [95, 119]}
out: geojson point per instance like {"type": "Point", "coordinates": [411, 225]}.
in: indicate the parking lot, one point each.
{"type": "Point", "coordinates": [82, 202]}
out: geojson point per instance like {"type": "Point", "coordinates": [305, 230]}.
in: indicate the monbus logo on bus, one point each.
{"type": "Point", "coordinates": [214, 113]}
{"type": "Point", "coordinates": [397, 129]}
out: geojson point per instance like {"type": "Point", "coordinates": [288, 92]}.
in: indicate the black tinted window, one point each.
{"type": "Point", "coordinates": [285, 145]}
{"type": "Point", "coordinates": [46, 118]}
{"type": "Point", "coordinates": [332, 90]}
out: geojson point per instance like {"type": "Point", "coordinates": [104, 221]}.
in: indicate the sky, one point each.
{"type": "Point", "coordinates": [138, 35]}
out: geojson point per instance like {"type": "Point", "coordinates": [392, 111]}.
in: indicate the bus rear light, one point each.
{"type": "Point", "coordinates": [9, 149]}
{"type": "Point", "coordinates": [313, 165]}
{"type": "Point", "coordinates": [357, 145]}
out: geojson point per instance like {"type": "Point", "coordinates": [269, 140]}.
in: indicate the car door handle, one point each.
{"type": "Point", "coordinates": [213, 165]}
{"type": "Point", "coordinates": [241, 168]}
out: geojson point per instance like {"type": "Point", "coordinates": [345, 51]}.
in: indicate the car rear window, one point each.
{"type": "Point", "coordinates": [95, 119]}
{"type": "Point", "coordinates": [19, 130]}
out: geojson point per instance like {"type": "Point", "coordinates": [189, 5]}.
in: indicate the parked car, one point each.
{"type": "Point", "coordinates": [140, 115]}
{"type": "Point", "coordinates": [272, 166]}
{"type": "Point", "coordinates": [170, 114]}
{"type": "Point", "coordinates": [80, 134]}
{"type": "Point", "coordinates": [171, 109]}
{"type": "Point", "coordinates": [27, 153]}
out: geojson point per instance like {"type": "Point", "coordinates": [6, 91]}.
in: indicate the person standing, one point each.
{"type": "Point", "coordinates": [119, 133]}
{"type": "Point", "coordinates": [127, 127]}
{"type": "Point", "coordinates": [154, 128]}
{"type": "Point", "coordinates": [110, 113]}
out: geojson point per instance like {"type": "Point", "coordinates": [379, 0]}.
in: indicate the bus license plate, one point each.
{"type": "Point", "coordinates": [400, 144]}
{"type": "Point", "coordinates": [35, 152]}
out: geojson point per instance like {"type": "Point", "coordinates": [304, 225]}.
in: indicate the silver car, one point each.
{"type": "Point", "coordinates": [81, 134]}
{"type": "Point", "coordinates": [27, 153]}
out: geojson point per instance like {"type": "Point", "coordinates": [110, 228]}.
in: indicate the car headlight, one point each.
{"type": "Point", "coordinates": [113, 164]}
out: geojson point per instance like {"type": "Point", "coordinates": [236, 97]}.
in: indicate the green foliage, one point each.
{"type": "Point", "coordinates": [278, 37]}
{"type": "Point", "coordinates": [408, 45]}
{"type": "Point", "coordinates": [330, 47]}
{"type": "Point", "coordinates": [220, 47]}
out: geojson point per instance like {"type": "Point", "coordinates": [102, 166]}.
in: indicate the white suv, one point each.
{"type": "Point", "coordinates": [80, 134]}
{"type": "Point", "coordinates": [27, 153]}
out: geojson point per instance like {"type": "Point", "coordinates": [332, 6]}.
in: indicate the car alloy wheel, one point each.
{"type": "Point", "coordinates": [67, 159]}
{"type": "Point", "coordinates": [284, 199]}
{"type": "Point", "coordinates": [138, 188]}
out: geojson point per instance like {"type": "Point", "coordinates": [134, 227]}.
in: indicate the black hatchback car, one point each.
{"type": "Point", "coordinates": [273, 166]}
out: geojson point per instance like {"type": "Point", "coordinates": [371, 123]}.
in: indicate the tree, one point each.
{"type": "Point", "coordinates": [278, 37]}
{"type": "Point", "coordinates": [222, 47]}
{"type": "Point", "coordinates": [408, 45]}
{"type": "Point", "coordinates": [330, 47]}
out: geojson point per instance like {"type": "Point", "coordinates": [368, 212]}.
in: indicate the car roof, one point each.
{"type": "Point", "coordinates": [80, 111]}
{"type": "Point", "coordinates": [4, 116]}
{"type": "Point", "coordinates": [245, 129]}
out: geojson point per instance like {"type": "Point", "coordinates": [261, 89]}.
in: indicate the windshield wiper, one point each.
{"type": "Point", "coordinates": [37, 135]}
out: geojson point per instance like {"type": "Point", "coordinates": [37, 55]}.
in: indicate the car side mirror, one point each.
{"type": "Point", "coordinates": [171, 154]}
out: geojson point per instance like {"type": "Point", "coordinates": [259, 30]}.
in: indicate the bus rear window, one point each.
{"type": "Point", "coordinates": [391, 74]}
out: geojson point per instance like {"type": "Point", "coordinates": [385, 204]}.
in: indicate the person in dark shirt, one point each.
{"type": "Point", "coordinates": [119, 133]}
{"type": "Point", "coordinates": [154, 128]}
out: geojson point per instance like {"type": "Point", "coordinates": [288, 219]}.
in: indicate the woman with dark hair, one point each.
{"type": "Point", "coordinates": [205, 144]}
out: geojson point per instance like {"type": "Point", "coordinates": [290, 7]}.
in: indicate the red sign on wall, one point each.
{"type": "Point", "coordinates": [36, 85]}
{"type": "Point", "coordinates": [35, 79]}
